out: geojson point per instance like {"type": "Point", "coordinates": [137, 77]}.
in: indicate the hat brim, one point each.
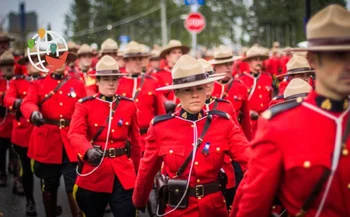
{"type": "Point", "coordinates": [323, 48]}
{"type": "Point", "coordinates": [101, 75]}
{"type": "Point", "coordinates": [217, 75]}
{"type": "Point", "coordinates": [164, 52]}
{"type": "Point", "coordinates": [295, 73]}
{"type": "Point", "coordinates": [191, 84]}
{"type": "Point", "coordinates": [262, 57]}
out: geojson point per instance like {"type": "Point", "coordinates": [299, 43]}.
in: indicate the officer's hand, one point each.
{"type": "Point", "coordinates": [37, 119]}
{"type": "Point", "coordinates": [170, 106]}
{"type": "Point", "coordinates": [94, 156]}
{"type": "Point", "coordinates": [254, 115]}
{"type": "Point", "coordinates": [17, 103]}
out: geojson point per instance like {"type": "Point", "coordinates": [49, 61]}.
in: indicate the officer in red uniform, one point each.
{"type": "Point", "coordinates": [194, 188]}
{"type": "Point", "coordinates": [301, 150]}
{"type": "Point", "coordinates": [154, 62]}
{"type": "Point", "coordinates": [259, 84]}
{"type": "Point", "coordinates": [231, 89]}
{"type": "Point", "coordinates": [22, 129]}
{"type": "Point", "coordinates": [141, 88]}
{"type": "Point", "coordinates": [109, 47]}
{"type": "Point", "coordinates": [49, 105]}
{"type": "Point", "coordinates": [171, 53]}
{"type": "Point", "coordinates": [107, 142]}
{"type": "Point", "coordinates": [6, 117]}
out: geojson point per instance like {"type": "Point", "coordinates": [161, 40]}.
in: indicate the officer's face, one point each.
{"type": "Point", "coordinates": [192, 99]}
{"type": "Point", "coordinates": [210, 89]}
{"type": "Point", "coordinates": [85, 60]}
{"type": "Point", "coordinates": [30, 68]}
{"type": "Point", "coordinates": [255, 65]}
{"type": "Point", "coordinates": [145, 61]}
{"type": "Point", "coordinates": [304, 76]}
{"type": "Point", "coordinates": [332, 71]}
{"type": "Point", "coordinates": [7, 70]}
{"type": "Point", "coordinates": [155, 64]}
{"type": "Point", "coordinates": [107, 85]}
{"type": "Point", "coordinates": [224, 68]}
{"type": "Point", "coordinates": [133, 65]}
{"type": "Point", "coordinates": [173, 56]}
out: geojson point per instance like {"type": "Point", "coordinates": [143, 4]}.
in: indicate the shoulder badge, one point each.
{"type": "Point", "coordinates": [281, 107]}
{"type": "Point", "coordinates": [125, 98]}
{"type": "Point", "coordinates": [160, 118]}
{"type": "Point", "coordinates": [219, 113]}
{"type": "Point", "coordinates": [86, 99]}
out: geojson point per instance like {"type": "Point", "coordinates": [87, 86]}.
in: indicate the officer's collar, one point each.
{"type": "Point", "coordinates": [34, 76]}
{"type": "Point", "coordinates": [192, 117]}
{"type": "Point", "coordinates": [226, 81]}
{"type": "Point", "coordinates": [209, 100]}
{"type": "Point", "coordinates": [331, 104]}
{"type": "Point", "coordinates": [255, 75]}
{"type": "Point", "coordinates": [107, 98]}
{"type": "Point", "coordinates": [57, 76]}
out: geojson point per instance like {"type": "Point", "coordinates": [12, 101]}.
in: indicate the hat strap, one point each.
{"type": "Point", "coordinates": [328, 41]}
{"type": "Point", "coordinates": [191, 78]}
{"type": "Point", "coordinates": [299, 70]}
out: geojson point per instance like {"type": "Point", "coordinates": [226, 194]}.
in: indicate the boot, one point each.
{"type": "Point", "coordinates": [17, 187]}
{"type": "Point", "coordinates": [3, 180]}
{"type": "Point", "coordinates": [30, 208]}
{"type": "Point", "coordinates": [74, 208]}
{"type": "Point", "coordinates": [50, 201]}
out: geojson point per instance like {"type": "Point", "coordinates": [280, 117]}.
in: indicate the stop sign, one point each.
{"type": "Point", "coordinates": [195, 22]}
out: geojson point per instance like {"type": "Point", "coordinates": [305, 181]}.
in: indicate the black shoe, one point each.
{"type": "Point", "coordinates": [30, 209]}
{"type": "Point", "coordinates": [59, 210]}
{"type": "Point", "coordinates": [17, 187]}
{"type": "Point", "coordinates": [3, 180]}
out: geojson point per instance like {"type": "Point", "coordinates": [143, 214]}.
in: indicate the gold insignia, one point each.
{"type": "Point", "coordinates": [199, 116]}
{"type": "Point", "coordinates": [184, 115]}
{"type": "Point", "coordinates": [346, 104]}
{"type": "Point", "coordinates": [103, 98]}
{"type": "Point", "coordinates": [299, 99]}
{"type": "Point", "coordinates": [326, 104]}
{"type": "Point", "coordinates": [267, 114]}
{"type": "Point", "coordinates": [80, 100]}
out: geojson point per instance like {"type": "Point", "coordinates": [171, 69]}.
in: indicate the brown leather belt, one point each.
{"type": "Point", "coordinates": [115, 152]}
{"type": "Point", "coordinates": [143, 130]}
{"type": "Point", "coordinates": [205, 189]}
{"type": "Point", "coordinates": [61, 123]}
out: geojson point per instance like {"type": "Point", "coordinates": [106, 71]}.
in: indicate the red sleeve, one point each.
{"type": "Point", "coordinates": [30, 102]}
{"type": "Point", "coordinates": [159, 107]}
{"type": "Point", "coordinates": [11, 95]}
{"type": "Point", "coordinates": [263, 176]}
{"type": "Point", "coordinates": [135, 140]}
{"type": "Point", "coordinates": [149, 166]}
{"type": "Point", "coordinates": [78, 130]}
{"type": "Point", "coordinates": [246, 125]}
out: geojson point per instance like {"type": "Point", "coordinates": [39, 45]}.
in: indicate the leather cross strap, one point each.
{"type": "Point", "coordinates": [324, 177]}
{"type": "Point", "coordinates": [140, 87]}
{"type": "Point", "coordinates": [101, 128]}
{"type": "Point", "coordinates": [228, 89]}
{"type": "Point", "coordinates": [54, 90]}
{"type": "Point", "coordinates": [199, 142]}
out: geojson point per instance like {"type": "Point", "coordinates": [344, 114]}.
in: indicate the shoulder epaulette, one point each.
{"type": "Point", "coordinates": [160, 118]}
{"type": "Point", "coordinates": [281, 107]}
{"type": "Point", "coordinates": [278, 97]}
{"type": "Point", "coordinates": [222, 100]}
{"type": "Point", "coordinates": [219, 113]}
{"type": "Point", "coordinates": [126, 98]}
{"type": "Point", "coordinates": [151, 77]}
{"type": "Point", "coordinates": [17, 77]}
{"type": "Point", "coordinates": [86, 99]}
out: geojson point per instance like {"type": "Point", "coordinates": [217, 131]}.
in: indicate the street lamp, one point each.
{"type": "Point", "coordinates": [173, 20]}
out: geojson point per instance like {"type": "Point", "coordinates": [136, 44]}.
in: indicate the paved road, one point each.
{"type": "Point", "coordinates": [14, 206]}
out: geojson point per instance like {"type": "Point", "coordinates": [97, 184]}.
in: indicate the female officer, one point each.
{"type": "Point", "coordinates": [191, 133]}
{"type": "Point", "coordinates": [100, 130]}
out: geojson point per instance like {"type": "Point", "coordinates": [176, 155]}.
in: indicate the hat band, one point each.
{"type": "Point", "coordinates": [223, 58]}
{"type": "Point", "coordinates": [294, 96]}
{"type": "Point", "coordinates": [299, 70]}
{"type": "Point", "coordinates": [7, 62]}
{"type": "Point", "coordinates": [106, 72]}
{"type": "Point", "coordinates": [133, 55]}
{"type": "Point", "coordinates": [328, 41]}
{"type": "Point", "coordinates": [210, 72]}
{"type": "Point", "coordinates": [191, 78]}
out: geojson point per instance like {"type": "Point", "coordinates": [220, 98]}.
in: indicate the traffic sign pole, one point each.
{"type": "Point", "coordinates": [194, 8]}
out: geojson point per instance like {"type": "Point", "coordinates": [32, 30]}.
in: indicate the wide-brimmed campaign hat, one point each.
{"type": "Point", "coordinates": [328, 30]}
{"type": "Point", "coordinates": [84, 49]}
{"type": "Point", "coordinates": [297, 65]}
{"type": "Point", "coordinates": [223, 54]}
{"type": "Point", "coordinates": [188, 72]}
{"type": "Point", "coordinates": [134, 49]}
{"type": "Point", "coordinates": [7, 58]}
{"type": "Point", "coordinates": [72, 46]}
{"type": "Point", "coordinates": [296, 88]}
{"type": "Point", "coordinates": [145, 50]}
{"type": "Point", "coordinates": [109, 46]}
{"type": "Point", "coordinates": [254, 52]}
{"type": "Point", "coordinates": [173, 44]}
{"type": "Point", "coordinates": [155, 54]}
{"type": "Point", "coordinates": [24, 60]}
{"type": "Point", "coordinates": [4, 37]}
{"type": "Point", "coordinates": [208, 68]}
{"type": "Point", "coordinates": [107, 66]}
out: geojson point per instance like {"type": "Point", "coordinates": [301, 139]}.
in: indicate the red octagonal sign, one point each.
{"type": "Point", "coordinates": [195, 22]}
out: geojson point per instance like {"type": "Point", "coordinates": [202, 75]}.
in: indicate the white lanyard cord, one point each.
{"type": "Point", "coordinates": [134, 87]}
{"type": "Point", "coordinates": [253, 88]}
{"type": "Point", "coordinates": [336, 152]}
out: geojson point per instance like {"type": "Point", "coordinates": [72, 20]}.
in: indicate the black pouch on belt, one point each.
{"type": "Point", "coordinates": [128, 148]}
{"type": "Point", "coordinates": [223, 180]}
{"type": "Point", "coordinates": [176, 190]}
{"type": "Point", "coordinates": [80, 165]}
{"type": "Point", "coordinates": [161, 182]}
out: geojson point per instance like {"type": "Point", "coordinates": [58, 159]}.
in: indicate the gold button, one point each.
{"type": "Point", "coordinates": [18, 123]}
{"type": "Point", "coordinates": [198, 180]}
{"type": "Point", "coordinates": [307, 164]}
{"type": "Point", "coordinates": [61, 116]}
{"type": "Point", "coordinates": [96, 125]}
{"type": "Point", "coordinates": [136, 100]}
{"type": "Point", "coordinates": [192, 125]}
{"type": "Point", "coordinates": [273, 207]}
{"type": "Point", "coordinates": [61, 104]}
{"type": "Point", "coordinates": [224, 201]}
{"type": "Point", "coordinates": [218, 149]}
{"type": "Point", "coordinates": [111, 141]}
{"type": "Point", "coordinates": [259, 87]}
{"type": "Point", "coordinates": [349, 186]}
{"type": "Point", "coordinates": [10, 107]}
{"type": "Point", "coordinates": [25, 93]}
{"type": "Point", "coordinates": [58, 82]}
{"type": "Point", "coordinates": [260, 96]}
{"type": "Point", "coordinates": [345, 152]}
{"type": "Point", "coordinates": [46, 95]}
{"type": "Point", "coordinates": [262, 105]}
{"type": "Point", "coordinates": [199, 198]}
{"type": "Point", "coordinates": [126, 123]}
{"type": "Point", "coordinates": [196, 163]}
{"type": "Point", "coordinates": [60, 92]}
{"type": "Point", "coordinates": [177, 190]}
{"type": "Point", "coordinates": [149, 93]}
{"type": "Point", "coordinates": [113, 130]}
{"type": "Point", "coordinates": [124, 94]}
{"type": "Point", "coordinates": [28, 120]}
{"type": "Point", "coordinates": [171, 151]}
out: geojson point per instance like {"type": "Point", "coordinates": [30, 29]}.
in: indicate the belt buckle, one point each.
{"type": "Point", "coordinates": [111, 152]}
{"type": "Point", "coordinates": [199, 190]}
{"type": "Point", "coordinates": [62, 123]}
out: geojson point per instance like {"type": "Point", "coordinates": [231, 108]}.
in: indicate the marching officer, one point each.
{"type": "Point", "coordinates": [154, 62]}
{"type": "Point", "coordinates": [301, 149]}
{"type": "Point", "coordinates": [49, 105]}
{"type": "Point", "coordinates": [109, 47]}
{"type": "Point", "coordinates": [192, 161]}
{"type": "Point", "coordinates": [107, 142]}
{"type": "Point", "coordinates": [231, 89]}
{"type": "Point", "coordinates": [259, 84]}
{"type": "Point", "coordinates": [141, 88]}
{"type": "Point", "coordinates": [22, 128]}
{"type": "Point", "coordinates": [171, 53]}
{"type": "Point", "coordinates": [7, 71]}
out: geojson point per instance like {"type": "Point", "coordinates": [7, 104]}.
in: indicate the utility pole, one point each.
{"type": "Point", "coordinates": [163, 22]}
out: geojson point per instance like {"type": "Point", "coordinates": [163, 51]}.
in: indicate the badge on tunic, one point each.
{"type": "Point", "coordinates": [205, 149]}
{"type": "Point", "coordinates": [120, 123]}
{"type": "Point", "coordinates": [72, 93]}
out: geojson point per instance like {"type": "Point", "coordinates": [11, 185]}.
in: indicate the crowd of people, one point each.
{"type": "Point", "coordinates": [260, 134]}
